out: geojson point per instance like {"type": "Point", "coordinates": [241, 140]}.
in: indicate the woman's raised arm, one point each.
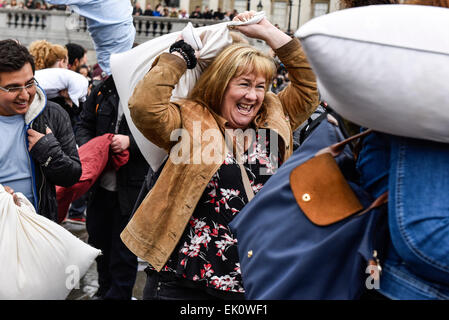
{"type": "Point", "coordinates": [262, 30]}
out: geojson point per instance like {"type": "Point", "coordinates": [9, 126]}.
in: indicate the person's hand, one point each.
{"type": "Point", "coordinates": [14, 196]}
{"type": "Point", "coordinates": [180, 37]}
{"type": "Point", "coordinates": [34, 137]}
{"type": "Point", "coordinates": [119, 143]}
{"type": "Point", "coordinates": [262, 30]}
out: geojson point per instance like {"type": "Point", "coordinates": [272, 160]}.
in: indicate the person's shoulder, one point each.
{"type": "Point", "coordinates": [104, 88]}
{"type": "Point", "coordinates": [193, 110]}
{"type": "Point", "coordinates": [190, 106]}
{"type": "Point", "coordinates": [53, 105]}
{"type": "Point", "coordinates": [54, 115]}
{"type": "Point", "coordinates": [55, 111]}
{"type": "Point", "coordinates": [270, 96]}
{"type": "Point", "coordinates": [272, 101]}
{"type": "Point", "coordinates": [186, 103]}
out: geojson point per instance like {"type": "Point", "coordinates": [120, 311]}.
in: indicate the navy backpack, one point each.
{"type": "Point", "coordinates": [301, 237]}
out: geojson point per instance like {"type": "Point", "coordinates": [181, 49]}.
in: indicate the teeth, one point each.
{"type": "Point", "coordinates": [245, 106]}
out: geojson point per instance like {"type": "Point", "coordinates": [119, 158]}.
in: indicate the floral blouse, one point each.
{"type": "Point", "coordinates": [207, 251]}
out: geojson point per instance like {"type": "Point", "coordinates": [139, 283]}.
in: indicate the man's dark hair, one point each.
{"type": "Point", "coordinates": [13, 56]}
{"type": "Point", "coordinates": [75, 51]}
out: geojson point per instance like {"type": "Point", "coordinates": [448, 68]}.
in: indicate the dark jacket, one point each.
{"type": "Point", "coordinates": [73, 110]}
{"type": "Point", "coordinates": [196, 15]}
{"type": "Point", "coordinates": [55, 156]}
{"type": "Point", "coordinates": [218, 15]}
{"type": "Point", "coordinates": [99, 116]}
{"type": "Point", "coordinates": [207, 15]}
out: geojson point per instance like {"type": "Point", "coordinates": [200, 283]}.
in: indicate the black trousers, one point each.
{"type": "Point", "coordinates": [166, 286]}
{"type": "Point", "coordinates": [117, 266]}
{"type": "Point", "coordinates": [78, 206]}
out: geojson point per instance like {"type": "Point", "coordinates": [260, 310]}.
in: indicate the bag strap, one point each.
{"type": "Point", "coordinates": [246, 184]}
{"type": "Point", "coordinates": [239, 150]}
{"type": "Point", "coordinates": [311, 125]}
{"type": "Point", "coordinates": [380, 200]}
{"type": "Point", "coordinates": [248, 189]}
{"type": "Point", "coordinates": [338, 147]}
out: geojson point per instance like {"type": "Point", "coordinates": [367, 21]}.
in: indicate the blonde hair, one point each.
{"type": "Point", "coordinates": [46, 54]}
{"type": "Point", "coordinates": [237, 37]}
{"type": "Point", "coordinates": [233, 61]}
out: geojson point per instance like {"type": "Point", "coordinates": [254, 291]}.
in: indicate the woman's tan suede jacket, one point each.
{"type": "Point", "coordinates": [156, 227]}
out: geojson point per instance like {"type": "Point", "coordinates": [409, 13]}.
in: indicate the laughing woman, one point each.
{"type": "Point", "coordinates": [181, 228]}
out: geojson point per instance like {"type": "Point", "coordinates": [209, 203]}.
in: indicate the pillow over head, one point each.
{"type": "Point", "coordinates": [384, 67]}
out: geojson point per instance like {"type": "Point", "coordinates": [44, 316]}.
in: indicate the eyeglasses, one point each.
{"type": "Point", "coordinates": [17, 90]}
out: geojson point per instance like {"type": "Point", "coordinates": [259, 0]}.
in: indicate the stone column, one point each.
{"type": "Point", "coordinates": [213, 4]}
{"type": "Point", "coordinates": [184, 4]}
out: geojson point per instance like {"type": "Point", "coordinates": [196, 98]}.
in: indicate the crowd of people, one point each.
{"type": "Point", "coordinates": [182, 227]}
{"type": "Point", "coordinates": [158, 11]}
{"type": "Point", "coordinates": [30, 4]}
{"type": "Point", "coordinates": [163, 11]}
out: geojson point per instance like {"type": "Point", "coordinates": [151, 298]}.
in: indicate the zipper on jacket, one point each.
{"type": "Point", "coordinates": [41, 187]}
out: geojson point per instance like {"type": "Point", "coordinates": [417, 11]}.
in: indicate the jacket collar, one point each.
{"type": "Point", "coordinates": [37, 106]}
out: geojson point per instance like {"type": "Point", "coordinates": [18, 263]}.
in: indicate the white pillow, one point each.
{"type": "Point", "coordinates": [39, 259]}
{"type": "Point", "coordinates": [129, 67]}
{"type": "Point", "coordinates": [384, 67]}
{"type": "Point", "coordinates": [53, 80]}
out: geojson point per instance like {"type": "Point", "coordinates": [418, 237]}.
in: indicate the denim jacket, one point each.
{"type": "Point", "coordinates": [416, 174]}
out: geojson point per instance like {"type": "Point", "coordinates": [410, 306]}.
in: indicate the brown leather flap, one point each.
{"type": "Point", "coordinates": [322, 192]}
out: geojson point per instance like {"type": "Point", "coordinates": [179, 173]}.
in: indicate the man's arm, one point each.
{"type": "Point", "coordinates": [56, 151]}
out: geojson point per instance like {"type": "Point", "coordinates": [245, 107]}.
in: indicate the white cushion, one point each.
{"type": "Point", "coordinates": [39, 259]}
{"type": "Point", "coordinates": [384, 67]}
{"type": "Point", "coordinates": [53, 80]}
{"type": "Point", "coordinates": [129, 67]}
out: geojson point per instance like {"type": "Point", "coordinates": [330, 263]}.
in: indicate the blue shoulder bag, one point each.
{"type": "Point", "coordinates": [312, 232]}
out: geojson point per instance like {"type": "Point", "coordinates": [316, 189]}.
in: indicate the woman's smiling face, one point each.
{"type": "Point", "coordinates": [242, 99]}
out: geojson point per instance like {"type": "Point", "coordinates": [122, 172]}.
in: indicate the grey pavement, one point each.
{"type": "Point", "coordinates": [88, 285]}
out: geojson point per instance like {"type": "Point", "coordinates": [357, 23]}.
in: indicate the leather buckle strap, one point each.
{"type": "Point", "coordinates": [337, 148]}
{"type": "Point", "coordinates": [321, 190]}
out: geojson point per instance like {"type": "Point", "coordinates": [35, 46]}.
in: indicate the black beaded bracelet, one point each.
{"type": "Point", "coordinates": [186, 51]}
